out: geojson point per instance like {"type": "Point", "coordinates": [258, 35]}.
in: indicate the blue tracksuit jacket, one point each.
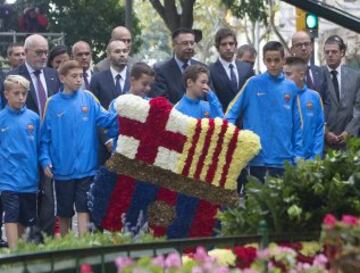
{"type": "Point", "coordinates": [69, 139]}
{"type": "Point", "coordinates": [19, 145]}
{"type": "Point", "coordinates": [313, 124]}
{"type": "Point", "coordinates": [200, 109]}
{"type": "Point", "coordinates": [267, 106]}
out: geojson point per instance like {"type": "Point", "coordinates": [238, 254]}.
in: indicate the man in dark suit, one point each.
{"type": "Point", "coordinates": [168, 75]}
{"type": "Point", "coordinates": [81, 52]}
{"type": "Point", "coordinates": [228, 74]}
{"type": "Point", "coordinates": [302, 47]}
{"type": "Point", "coordinates": [109, 84]}
{"type": "Point", "coordinates": [344, 92]}
{"type": "Point", "coordinates": [44, 82]}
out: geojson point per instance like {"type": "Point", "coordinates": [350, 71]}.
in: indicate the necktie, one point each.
{"type": "Point", "coordinates": [184, 66]}
{"type": "Point", "coordinates": [335, 83]}
{"type": "Point", "coordinates": [41, 93]}
{"type": "Point", "coordinates": [233, 77]}
{"type": "Point", "coordinates": [118, 89]}
{"type": "Point", "coordinates": [309, 81]}
{"type": "Point", "coordinates": [86, 80]}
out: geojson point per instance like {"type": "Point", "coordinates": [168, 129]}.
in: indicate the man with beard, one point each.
{"type": "Point", "coordinates": [109, 84]}
{"type": "Point", "coordinates": [168, 80]}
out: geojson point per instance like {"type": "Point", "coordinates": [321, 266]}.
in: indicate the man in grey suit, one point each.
{"type": "Point", "coordinates": [119, 33]}
{"type": "Point", "coordinates": [168, 75]}
{"type": "Point", "coordinates": [344, 92]}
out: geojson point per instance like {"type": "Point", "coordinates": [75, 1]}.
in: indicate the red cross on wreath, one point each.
{"type": "Point", "coordinates": [152, 134]}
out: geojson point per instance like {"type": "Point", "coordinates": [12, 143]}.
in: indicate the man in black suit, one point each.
{"type": "Point", "coordinates": [228, 74]}
{"type": "Point", "coordinates": [168, 75]}
{"type": "Point", "coordinates": [108, 84]}
{"type": "Point", "coordinates": [302, 47]}
{"type": "Point", "coordinates": [44, 82]}
{"type": "Point", "coordinates": [81, 52]}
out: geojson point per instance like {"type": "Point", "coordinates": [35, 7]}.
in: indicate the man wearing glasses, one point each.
{"type": "Point", "coordinates": [168, 78]}
{"type": "Point", "coordinates": [302, 47]}
{"type": "Point", "coordinates": [44, 81]}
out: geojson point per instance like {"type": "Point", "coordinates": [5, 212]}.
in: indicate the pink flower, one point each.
{"type": "Point", "coordinates": [200, 254]}
{"type": "Point", "coordinates": [320, 260]}
{"type": "Point", "coordinates": [159, 261]}
{"type": "Point", "coordinates": [173, 260]}
{"type": "Point", "coordinates": [350, 220]}
{"type": "Point", "coordinates": [222, 269]}
{"type": "Point", "coordinates": [122, 262]}
{"type": "Point", "coordinates": [197, 269]}
{"type": "Point", "coordinates": [329, 220]}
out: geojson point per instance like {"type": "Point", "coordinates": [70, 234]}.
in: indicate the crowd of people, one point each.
{"type": "Point", "coordinates": [55, 112]}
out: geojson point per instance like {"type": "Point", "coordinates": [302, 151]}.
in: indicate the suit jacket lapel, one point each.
{"type": "Point", "coordinates": [127, 81]}
{"type": "Point", "coordinates": [49, 79]}
{"type": "Point", "coordinates": [24, 72]}
{"type": "Point", "coordinates": [109, 83]}
{"type": "Point", "coordinates": [331, 86]}
{"type": "Point", "coordinates": [223, 76]}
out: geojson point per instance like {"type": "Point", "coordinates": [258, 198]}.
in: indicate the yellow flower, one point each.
{"type": "Point", "coordinates": [225, 257]}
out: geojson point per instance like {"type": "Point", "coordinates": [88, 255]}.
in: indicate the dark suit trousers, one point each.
{"type": "Point", "coordinates": [46, 205]}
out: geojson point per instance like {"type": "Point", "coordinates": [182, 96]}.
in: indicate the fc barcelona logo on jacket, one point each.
{"type": "Point", "coordinates": [309, 105]}
{"type": "Point", "coordinates": [84, 109]}
{"type": "Point", "coordinates": [287, 98]}
{"type": "Point", "coordinates": [30, 128]}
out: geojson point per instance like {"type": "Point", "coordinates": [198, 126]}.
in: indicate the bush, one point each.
{"type": "Point", "coordinates": [300, 200]}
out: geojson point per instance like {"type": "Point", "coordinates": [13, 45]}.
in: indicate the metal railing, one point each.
{"type": "Point", "coordinates": [102, 258]}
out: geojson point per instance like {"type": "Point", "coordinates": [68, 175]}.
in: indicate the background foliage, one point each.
{"type": "Point", "coordinates": [300, 200]}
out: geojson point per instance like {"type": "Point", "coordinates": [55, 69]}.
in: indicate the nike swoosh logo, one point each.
{"type": "Point", "coordinates": [260, 94]}
{"type": "Point", "coordinates": [4, 129]}
{"type": "Point", "coordinates": [60, 114]}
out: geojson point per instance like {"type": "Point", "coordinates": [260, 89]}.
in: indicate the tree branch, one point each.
{"type": "Point", "coordinates": [272, 23]}
{"type": "Point", "coordinates": [187, 15]}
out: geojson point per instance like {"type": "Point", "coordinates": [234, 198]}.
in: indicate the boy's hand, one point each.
{"type": "Point", "coordinates": [331, 138]}
{"type": "Point", "coordinates": [343, 137]}
{"type": "Point", "coordinates": [48, 171]}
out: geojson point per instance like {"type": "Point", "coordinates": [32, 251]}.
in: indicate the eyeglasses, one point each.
{"type": "Point", "coordinates": [300, 45]}
{"type": "Point", "coordinates": [39, 53]}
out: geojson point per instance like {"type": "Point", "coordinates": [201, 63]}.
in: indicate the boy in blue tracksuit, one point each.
{"type": "Point", "coordinates": [267, 106]}
{"type": "Point", "coordinates": [141, 78]}
{"type": "Point", "coordinates": [19, 142]}
{"type": "Point", "coordinates": [196, 78]}
{"type": "Point", "coordinates": [68, 149]}
{"type": "Point", "coordinates": [311, 109]}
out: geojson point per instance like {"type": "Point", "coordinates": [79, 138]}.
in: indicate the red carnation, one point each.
{"type": "Point", "coordinates": [329, 220]}
{"type": "Point", "coordinates": [245, 256]}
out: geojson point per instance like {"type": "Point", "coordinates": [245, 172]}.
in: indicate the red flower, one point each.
{"type": "Point", "coordinates": [245, 256]}
{"type": "Point", "coordinates": [329, 220]}
{"type": "Point", "coordinates": [349, 219]}
{"type": "Point", "coordinates": [295, 246]}
{"type": "Point", "coordinates": [304, 259]}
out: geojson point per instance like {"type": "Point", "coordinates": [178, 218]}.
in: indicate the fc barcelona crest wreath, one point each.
{"type": "Point", "coordinates": [174, 170]}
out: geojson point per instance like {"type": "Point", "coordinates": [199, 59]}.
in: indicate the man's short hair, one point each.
{"type": "Point", "coordinates": [139, 69]}
{"type": "Point", "coordinates": [68, 65]}
{"type": "Point", "coordinates": [29, 41]}
{"type": "Point", "coordinates": [192, 72]}
{"type": "Point", "coordinates": [223, 33]}
{"type": "Point", "coordinates": [11, 48]}
{"type": "Point", "coordinates": [77, 44]}
{"type": "Point", "coordinates": [181, 30]}
{"type": "Point", "coordinates": [336, 39]}
{"type": "Point", "coordinates": [12, 80]}
{"type": "Point", "coordinates": [274, 46]}
{"type": "Point", "coordinates": [246, 48]}
{"type": "Point", "coordinates": [296, 61]}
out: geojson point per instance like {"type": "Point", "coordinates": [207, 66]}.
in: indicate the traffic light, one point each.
{"type": "Point", "coordinates": [312, 24]}
{"type": "Point", "coordinates": [300, 20]}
